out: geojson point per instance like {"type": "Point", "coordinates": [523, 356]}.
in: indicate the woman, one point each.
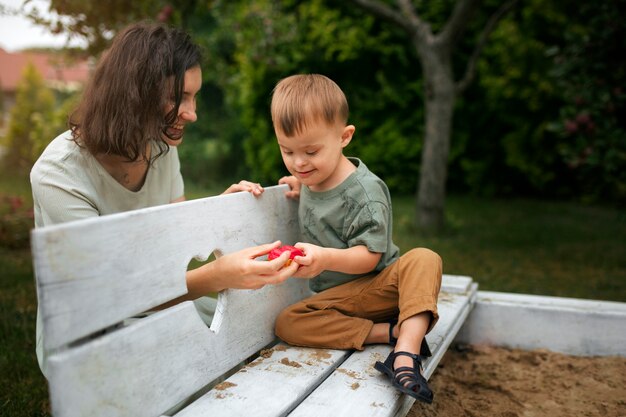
{"type": "Point", "coordinates": [120, 152]}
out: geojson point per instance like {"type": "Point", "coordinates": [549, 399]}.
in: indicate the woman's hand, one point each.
{"type": "Point", "coordinates": [239, 270]}
{"type": "Point", "coordinates": [243, 185]}
{"type": "Point", "coordinates": [294, 186]}
{"type": "Point", "coordinates": [243, 271]}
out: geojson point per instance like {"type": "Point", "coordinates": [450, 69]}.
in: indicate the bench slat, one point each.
{"type": "Point", "coordinates": [168, 355]}
{"type": "Point", "coordinates": [269, 386]}
{"type": "Point", "coordinates": [94, 273]}
{"type": "Point", "coordinates": [119, 374]}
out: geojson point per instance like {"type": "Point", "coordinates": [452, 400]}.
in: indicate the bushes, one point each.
{"type": "Point", "coordinates": [16, 221]}
{"type": "Point", "coordinates": [590, 70]}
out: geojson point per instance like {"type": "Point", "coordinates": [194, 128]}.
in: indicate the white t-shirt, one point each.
{"type": "Point", "coordinates": [68, 184]}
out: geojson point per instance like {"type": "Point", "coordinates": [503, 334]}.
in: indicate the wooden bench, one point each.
{"type": "Point", "coordinates": [96, 276]}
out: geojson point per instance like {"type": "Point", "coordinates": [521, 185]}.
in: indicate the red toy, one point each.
{"type": "Point", "coordinates": [275, 253]}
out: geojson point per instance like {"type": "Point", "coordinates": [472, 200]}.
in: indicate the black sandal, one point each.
{"type": "Point", "coordinates": [424, 349]}
{"type": "Point", "coordinates": [408, 380]}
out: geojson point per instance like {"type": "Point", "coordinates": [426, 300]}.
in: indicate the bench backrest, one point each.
{"type": "Point", "coordinates": [94, 274]}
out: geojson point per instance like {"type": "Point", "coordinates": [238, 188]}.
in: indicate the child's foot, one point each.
{"type": "Point", "coordinates": [404, 371]}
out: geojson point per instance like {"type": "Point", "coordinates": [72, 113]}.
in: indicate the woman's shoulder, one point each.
{"type": "Point", "coordinates": [60, 147]}
{"type": "Point", "coordinates": [62, 153]}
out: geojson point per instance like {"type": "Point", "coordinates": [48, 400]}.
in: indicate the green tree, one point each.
{"type": "Point", "coordinates": [34, 121]}
{"type": "Point", "coordinates": [435, 50]}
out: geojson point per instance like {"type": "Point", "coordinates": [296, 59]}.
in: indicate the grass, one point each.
{"type": "Point", "coordinates": [528, 246]}
{"type": "Point", "coordinates": [24, 389]}
{"type": "Point", "coordinates": [514, 245]}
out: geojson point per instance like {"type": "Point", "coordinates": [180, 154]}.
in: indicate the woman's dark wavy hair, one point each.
{"type": "Point", "coordinates": [122, 107]}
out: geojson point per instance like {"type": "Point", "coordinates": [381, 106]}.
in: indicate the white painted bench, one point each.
{"type": "Point", "coordinates": [95, 275]}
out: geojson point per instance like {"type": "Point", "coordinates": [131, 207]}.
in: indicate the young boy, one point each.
{"type": "Point", "coordinates": [366, 292]}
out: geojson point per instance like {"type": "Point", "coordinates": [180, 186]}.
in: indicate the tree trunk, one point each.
{"type": "Point", "coordinates": [435, 54]}
{"type": "Point", "coordinates": [439, 108]}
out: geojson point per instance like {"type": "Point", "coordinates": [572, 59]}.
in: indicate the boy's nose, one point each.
{"type": "Point", "coordinates": [300, 161]}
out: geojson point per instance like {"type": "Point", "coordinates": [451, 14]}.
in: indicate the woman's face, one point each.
{"type": "Point", "coordinates": [187, 109]}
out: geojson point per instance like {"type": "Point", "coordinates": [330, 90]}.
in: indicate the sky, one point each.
{"type": "Point", "coordinates": [18, 32]}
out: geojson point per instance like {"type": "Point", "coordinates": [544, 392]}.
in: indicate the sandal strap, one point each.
{"type": "Point", "coordinates": [408, 383]}
{"type": "Point", "coordinates": [409, 377]}
{"type": "Point", "coordinates": [404, 370]}
{"type": "Point", "coordinates": [392, 340]}
{"type": "Point", "coordinates": [409, 354]}
{"type": "Point", "coordinates": [417, 361]}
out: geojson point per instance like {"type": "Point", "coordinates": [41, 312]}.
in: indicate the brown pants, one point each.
{"type": "Point", "coordinates": [341, 317]}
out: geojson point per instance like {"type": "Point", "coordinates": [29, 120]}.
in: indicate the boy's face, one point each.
{"type": "Point", "coordinates": [314, 156]}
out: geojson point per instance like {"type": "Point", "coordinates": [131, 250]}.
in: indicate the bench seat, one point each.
{"type": "Point", "coordinates": [300, 382]}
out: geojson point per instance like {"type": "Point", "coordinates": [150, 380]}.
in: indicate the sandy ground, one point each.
{"type": "Point", "coordinates": [487, 381]}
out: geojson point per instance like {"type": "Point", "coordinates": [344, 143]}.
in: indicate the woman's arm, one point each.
{"type": "Point", "coordinates": [239, 270]}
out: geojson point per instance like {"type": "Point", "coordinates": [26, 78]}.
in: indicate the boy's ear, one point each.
{"type": "Point", "coordinates": [346, 135]}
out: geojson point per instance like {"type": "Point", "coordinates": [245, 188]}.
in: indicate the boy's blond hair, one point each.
{"type": "Point", "coordinates": [302, 99]}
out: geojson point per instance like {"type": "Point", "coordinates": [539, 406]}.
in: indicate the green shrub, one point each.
{"type": "Point", "coordinates": [16, 221]}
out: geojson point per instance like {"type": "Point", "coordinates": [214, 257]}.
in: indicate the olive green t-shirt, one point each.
{"type": "Point", "coordinates": [356, 212]}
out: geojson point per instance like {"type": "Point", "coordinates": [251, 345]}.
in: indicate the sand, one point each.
{"type": "Point", "coordinates": [488, 381]}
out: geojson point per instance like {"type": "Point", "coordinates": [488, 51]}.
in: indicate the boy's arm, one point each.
{"type": "Point", "coordinates": [355, 260]}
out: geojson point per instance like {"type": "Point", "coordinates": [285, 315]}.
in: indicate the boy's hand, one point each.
{"type": "Point", "coordinates": [312, 263]}
{"type": "Point", "coordinates": [243, 185]}
{"type": "Point", "coordinates": [294, 186]}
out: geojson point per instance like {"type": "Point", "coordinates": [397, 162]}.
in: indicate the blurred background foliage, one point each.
{"type": "Point", "coordinates": [544, 118]}
{"type": "Point", "coordinates": [547, 67]}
